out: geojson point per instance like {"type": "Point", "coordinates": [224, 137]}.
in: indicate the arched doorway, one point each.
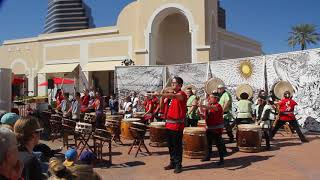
{"type": "Point", "coordinates": [170, 38]}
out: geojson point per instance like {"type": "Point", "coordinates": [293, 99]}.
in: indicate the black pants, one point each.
{"type": "Point", "coordinates": [293, 123]}
{"type": "Point", "coordinates": [191, 122]}
{"type": "Point", "coordinates": [174, 139]}
{"type": "Point", "coordinates": [217, 138]}
{"type": "Point", "coordinates": [228, 129]}
{"type": "Point", "coordinates": [100, 121]}
{"type": "Point", "coordinates": [266, 133]}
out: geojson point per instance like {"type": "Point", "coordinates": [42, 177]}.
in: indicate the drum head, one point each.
{"type": "Point", "coordinates": [199, 130]}
{"type": "Point", "coordinates": [212, 85]}
{"type": "Point", "coordinates": [249, 127]}
{"type": "Point", "coordinates": [244, 88]}
{"type": "Point", "coordinates": [114, 116]}
{"type": "Point", "coordinates": [131, 120]}
{"type": "Point", "coordinates": [157, 124]}
{"type": "Point", "coordinates": [138, 124]}
{"type": "Point", "coordinates": [190, 86]}
{"type": "Point", "coordinates": [281, 87]}
{"type": "Point", "coordinates": [202, 122]}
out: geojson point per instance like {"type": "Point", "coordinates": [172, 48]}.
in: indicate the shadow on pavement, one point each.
{"type": "Point", "coordinates": [128, 164]}
{"type": "Point", "coordinates": [230, 164]}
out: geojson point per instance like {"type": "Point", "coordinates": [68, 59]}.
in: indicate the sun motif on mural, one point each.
{"type": "Point", "coordinates": [246, 69]}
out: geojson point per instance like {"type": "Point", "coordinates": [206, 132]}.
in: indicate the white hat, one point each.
{"type": "Point", "coordinates": [221, 86]}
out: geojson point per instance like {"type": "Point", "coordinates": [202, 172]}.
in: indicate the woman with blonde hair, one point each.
{"type": "Point", "coordinates": [28, 132]}
{"type": "Point", "coordinates": [77, 172]}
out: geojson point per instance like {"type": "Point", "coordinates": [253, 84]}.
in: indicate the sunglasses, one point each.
{"type": "Point", "coordinates": [38, 130]}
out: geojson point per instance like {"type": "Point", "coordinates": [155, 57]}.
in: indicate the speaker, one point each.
{"type": "Point", "coordinates": [50, 84]}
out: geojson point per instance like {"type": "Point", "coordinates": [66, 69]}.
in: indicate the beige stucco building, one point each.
{"type": "Point", "coordinates": [150, 32]}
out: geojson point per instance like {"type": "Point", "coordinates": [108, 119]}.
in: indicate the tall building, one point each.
{"type": "Point", "coordinates": [67, 15]}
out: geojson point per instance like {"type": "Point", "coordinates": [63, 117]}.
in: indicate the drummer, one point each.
{"type": "Point", "coordinates": [164, 105]}
{"type": "Point", "coordinates": [226, 103]}
{"type": "Point", "coordinates": [262, 117]}
{"type": "Point", "coordinates": [286, 109]}
{"type": "Point", "coordinates": [192, 112]}
{"type": "Point", "coordinates": [215, 125]}
{"type": "Point", "coordinates": [149, 107]}
{"type": "Point", "coordinates": [175, 123]}
{"type": "Point", "coordinates": [244, 110]}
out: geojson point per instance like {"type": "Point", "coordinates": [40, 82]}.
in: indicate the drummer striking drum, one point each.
{"type": "Point", "coordinates": [226, 103]}
{"type": "Point", "coordinates": [215, 124]}
{"type": "Point", "coordinates": [286, 108]}
{"type": "Point", "coordinates": [175, 123]}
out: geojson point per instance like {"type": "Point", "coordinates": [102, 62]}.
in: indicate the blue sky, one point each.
{"type": "Point", "coordinates": [267, 21]}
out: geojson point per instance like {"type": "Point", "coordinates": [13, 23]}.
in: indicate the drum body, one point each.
{"type": "Point", "coordinates": [158, 134]}
{"type": "Point", "coordinates": [194, 142]}
{"type": "Point", "coordinates": [125, 127]}
{"type": "Point", "coordinates": [249, 138]}
{"type": "Point", "coordinates": [202, 123]}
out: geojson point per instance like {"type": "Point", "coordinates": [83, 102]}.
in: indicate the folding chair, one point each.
{"type": "Point", "coordinates": [55, 126]}
{"type": "Point", "coordinates": [101, 136]}
{"type": "Point", "coordinates": [68, 126]}
{"type": "Point", "coordinates": [83, 133]}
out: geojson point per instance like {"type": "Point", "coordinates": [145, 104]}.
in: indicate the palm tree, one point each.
{"type": "Point", "coordinates": [303, 35]}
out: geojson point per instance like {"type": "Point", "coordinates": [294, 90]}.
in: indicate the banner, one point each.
{"type": "Point", "coordinates": [139, 79]}
{"type": "Point", "coordinates": [196, 74]}
{"type": "Point", "coordinates": [302, 70]}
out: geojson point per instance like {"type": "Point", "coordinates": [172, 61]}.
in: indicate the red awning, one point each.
{"type": "Point", "coordinates": [57, 80]}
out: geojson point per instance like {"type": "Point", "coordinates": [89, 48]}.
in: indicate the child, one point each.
{"type": "Point", "coordinates": [71, 157]}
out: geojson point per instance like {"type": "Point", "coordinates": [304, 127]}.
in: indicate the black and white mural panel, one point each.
{"type": "Point", "coordinates": [195, 74]}
{"type": "Point", "coordinates": [302, 70]}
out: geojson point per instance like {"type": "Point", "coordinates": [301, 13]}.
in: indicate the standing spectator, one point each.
{"type": "Point", "coordinates": [127, 106]}
{"type": "Point", "coordinates": [75, 108]}
{"type": "Point", "coordinates": [135, 101]}
{"type": "Point", "coordinates": [113, 104]}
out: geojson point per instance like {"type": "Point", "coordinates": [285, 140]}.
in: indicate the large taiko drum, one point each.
{"type": "Point", "coordinates": [158, 134]}
{"type": "Point", "coordinates": [125, 127]}
{"type": "Point", "coordinates": [194, 142]}
{"type": "Point", "coordinates": [202, 123]}
{"type": "Point", "coordinates": [249, 137]}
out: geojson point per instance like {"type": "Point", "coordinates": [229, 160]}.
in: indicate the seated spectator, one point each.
{"type": "Point", "coordinates": [28, 134]}
{"type": "Point", "coordinates": [88, 158]}
{"type": "Point", "coordinates": [9, 119]}
{"type": "Point", "coordinates": [2, 112]}
{"type": "Point", "coordinates": [71, 157]}
{"type": "Point", "coordinates": [10, 165]}
{"type": "Point", "coordinates": [79, 172]}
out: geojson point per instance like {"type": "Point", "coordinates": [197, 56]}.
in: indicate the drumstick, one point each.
{"type": "Point", "coordinates": [161, 98]}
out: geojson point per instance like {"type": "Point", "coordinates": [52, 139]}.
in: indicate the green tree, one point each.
{"type": "Point", "coordinates": [303, 35]}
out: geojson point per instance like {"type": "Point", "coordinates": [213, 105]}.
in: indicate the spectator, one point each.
{"type": "Point", "coordinates": [71, 157]}
{"type": "Point", "coordinates": [113, 104]}
{"type": "Point", "coordinates": [88, 158]}
{"type": "Point", "coordinates": [10, 165]}
{"type": "Point", "coordinates": [28, 134]}
{"type": "Point", "coordinates": [9, 119]}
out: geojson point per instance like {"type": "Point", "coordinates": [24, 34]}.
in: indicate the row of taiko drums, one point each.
{"type": "Point", "coordinates": [194, 138]}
